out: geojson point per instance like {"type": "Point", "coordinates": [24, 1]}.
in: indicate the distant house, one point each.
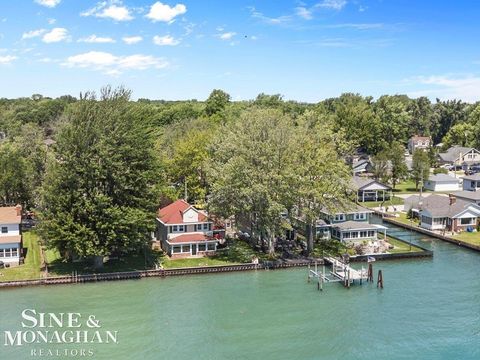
{"type": "Point", "coordinates": [184, 231]}
{"type": "Point", "coordinates": [354, 231]}
{"type": "Point", "coordinates": [10, 235]}
{"type": "Point", "coordinates": [362, 166]}
{"type": "Point", "coordinates": [439, 212]}
{"type": "Point", "coordinates": [418, 142]}
{"type": "Point", "coordinates": [471, 182]}
{"type": "Point", "coordinates": [370, 189]}
{"type": "Point", "coordinates": [458, 155]}
{"type": "Point", "coordinates": [442, 182]}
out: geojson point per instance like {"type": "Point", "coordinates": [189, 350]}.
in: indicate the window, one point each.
{"type": "Point", "coordinates": [176, 249]}
{"type": "Point", "coordinates": [186, 248]}
{"type": "Point", "coordinates": [354, 234]}
{"type": "Point", "coordinates": [371, 233]}
{"type": "Point", "coordinates": [359, 216]}
{"type": "Point", "coordinates": [180, 228]}
{"type": "Point", "coordinates": [363, 234]}
{"type": "Point", "coordinates": [202, 247]}
{"type": "Point", "coordinates": [4, 229]}
{"type": "Point", "coordinates": [205, 226]}
{"type": "Point", "coordinates": [175, 228]}
{"type": "Point", "coordinates": [346, 235]}
{"type": "Point", "coordinates": [467, 221]}
{"type": "Point", "coordinates": [211, 246]}
{"type": "Point", "coordinates": [339, 217]}
{"type": "Point", "coordinates": [6, 253]}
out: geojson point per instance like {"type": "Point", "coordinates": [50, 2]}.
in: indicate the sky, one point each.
{"type": "Point", "coordinates": [303, 50]}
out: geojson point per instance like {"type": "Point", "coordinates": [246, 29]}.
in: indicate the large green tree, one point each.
{"type": "Point", "coordinates": [98, 196]}
{"type": "Point", "coordinates": [420, 167]}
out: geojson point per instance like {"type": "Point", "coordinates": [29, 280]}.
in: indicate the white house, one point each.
{"type": "Point", "coordinates": [442, 182]}
{"type": "Point", "coordinates": [10, 235]}
{"type": "Point", "coordinates": [354, 231]}
{"type": "Point", "coordinates": [439, 212]}
{"type": "Point", "coordinates": [458, 155]}
{"type": "Point", "coordinates": [184, 231]}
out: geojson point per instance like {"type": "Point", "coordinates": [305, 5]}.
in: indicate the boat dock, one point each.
{"type": "Point", "coordinates": [343, 273]}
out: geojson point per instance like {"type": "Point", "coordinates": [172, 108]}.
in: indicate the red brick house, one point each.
{"type": "Point", "coordinates": [184, 231]}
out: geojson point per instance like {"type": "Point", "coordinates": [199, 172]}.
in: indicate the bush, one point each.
{"type": "Point", "coordinates": [440, 170]}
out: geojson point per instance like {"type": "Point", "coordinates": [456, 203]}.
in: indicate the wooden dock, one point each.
{"type": "Point", "coordinates": [340, 272]}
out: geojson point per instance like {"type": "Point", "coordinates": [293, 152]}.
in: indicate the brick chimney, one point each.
{"type": "Point", "coordinates": [453, 199]}
{"type": "Point", "coordinates": [19, 210]}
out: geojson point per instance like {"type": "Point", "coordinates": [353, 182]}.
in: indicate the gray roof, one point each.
{"type": "Point", "coordinates": [345, 208]}
{"type": "Point", "coordinates": [442, 178]}
{"type": "Point", "coordinates": [361, 182]}
{"type": "Point", "coordinates": [437, 205]}
{"type": "Point", "coordinates": [453, 153]}
{"type": "Point", "coordinates": [475, 177]}
{"type": "Point", "coordinates": [355, 225]}
{"type": "Point", "coordinates": [471, 195]}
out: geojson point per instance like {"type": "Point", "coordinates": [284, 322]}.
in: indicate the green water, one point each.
{"type": "Point", "coordinates": [429, 309]}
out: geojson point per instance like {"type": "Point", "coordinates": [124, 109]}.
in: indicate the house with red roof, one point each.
{"type": "Point", "coordinates": [10, 235]}
{"type": "Point", "coordinates": [184, 231]}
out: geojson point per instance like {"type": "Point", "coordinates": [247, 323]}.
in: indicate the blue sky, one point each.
{"type": "Point", "coordinates": [304, 50]}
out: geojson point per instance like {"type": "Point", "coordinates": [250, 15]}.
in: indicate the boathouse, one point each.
{"type": "Point", "coordinates": [184, 231]}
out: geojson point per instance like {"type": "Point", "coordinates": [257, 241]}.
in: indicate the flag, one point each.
{"type": "Point", "coordinates": [370, 259]}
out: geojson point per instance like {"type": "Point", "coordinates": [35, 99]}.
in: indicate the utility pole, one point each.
{"type": "Point", "coordinates": [186, 191]}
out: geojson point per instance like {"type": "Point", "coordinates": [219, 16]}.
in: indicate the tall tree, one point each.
{"type": "Point", "coordinates": [420, 167]}
{"type": "Point", "coordinates": [216, 102]}
{"type": "Point", "coordinates": [398, 166]}
{"type": "Point", "coordinates": [98, 195]}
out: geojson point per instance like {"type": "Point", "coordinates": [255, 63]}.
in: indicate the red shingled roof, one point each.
{"type": "Point", "coordinates": [189, 238]}
{"type": "Point", "coordinates": [173, 213]}
{"type": "Point", "coordinates": [10, 214]}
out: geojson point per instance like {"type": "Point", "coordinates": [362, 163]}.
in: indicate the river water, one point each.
{"type": "Point", "coordinates": [429, 309]}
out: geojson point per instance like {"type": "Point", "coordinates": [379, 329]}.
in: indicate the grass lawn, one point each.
{"type": "Point", "coordinates": [31, 268]}
{"type": "Point", "coordinates": [470, 238]}
{"type": "Point", "coordinates": [57, 267]}
{"type": "Point", "coordinates": [403, 219]}
{"type": "Point", "coordinates": [406, 187]}
{"type": "Point", "coordinates": [392, 202]}
{"type": "Point", "coordinates": [401, 247]}
{"type": "Point", "coordinates": [236, 252]}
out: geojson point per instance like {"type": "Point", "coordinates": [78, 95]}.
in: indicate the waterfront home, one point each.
{"type": "Point", "coordinates": [471, 182]}
{"type": "Point", "coordinates": [184, 231]}
{"type": "Point", "coordinates": [346, 212]}
{"type": "Point", "coordinates": [354, 231]}
{"type": "Point", "coordinates": [418, 142]}
{"type": "Point", "coordinates": [458, 155]}
{"type": "Point", "coordinates": [10, 235]}
{"type": "Point", "coordinates": [438, 212]}
{"type": "Point", "coordinates": [442, 182]}
{"type": "Point", "coordinates": [370, 189]}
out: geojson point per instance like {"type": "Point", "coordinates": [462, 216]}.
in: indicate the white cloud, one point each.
{"type": "Point", "coordinates": [130, 40]}
{"type": "Point", "coordinates": [166, 40]}
{"type": "Point", "coordinates": [269, 20]}
{"type": "Point", "coordinates": [48, 3]}
{"type": "Point", "coordinates": [304, 13]}
{"type": "Point", "coordinates": [7, 59]}
{"type": "Point", "coordinates": [96, 39]}
{"type": "Point", "coordinates": [112, 64]}
{"type": "Point", "coordinates": [332, 4]}
{"type": "Point", "coordinates": [227, 35]}
{"type": "Point", "coordinates": [33, 33]}
{"type": "Point", "coordinates": [165, 13]}
{"type": "Point", "coordinates": [357, 26]}
{"type": "Point", "coordinates": [51, 21]}
{"type": "Point", "coordinates": [55, 35]}
{"type": "Point", "coordinates": [450, 86]}
{"type": "Point", "coordinates": [113, 9]}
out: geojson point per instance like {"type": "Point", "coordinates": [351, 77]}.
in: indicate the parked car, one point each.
{"type": "Point", "coordinates": [455, 167]}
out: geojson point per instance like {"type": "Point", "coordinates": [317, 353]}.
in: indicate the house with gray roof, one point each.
{"type": "Point", "coordinates": [438, 212]}
{"type": "Point", "coordinates": [471, 182]}
{"type": "Point", "coordinates": [345, 212]}
{"type": "Point", "coordinates": [370, 189]}
{"type": "Point", "coordinates": [469, 196]}
{"type": "Point", "coordinates": [442, 182]}
{"type": "Point", "coordinates": [354, 231]}
{"type": "Point", "coordinates": [458, 155]}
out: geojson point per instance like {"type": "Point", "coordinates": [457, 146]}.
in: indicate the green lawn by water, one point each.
{"type": "Point", "coordinates": [31, 268]}
{"type": "Point", "coordinates": [401, 247]}
{"type": "Point", "coordinates": [470, 238]}
{"type": "Point", "coordinates": [392, 202]}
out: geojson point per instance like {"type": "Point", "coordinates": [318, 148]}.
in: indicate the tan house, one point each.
{"type": "Point", "coordinates": [418, 142]}
{"type": "Point", "coordinates": [184, 231]}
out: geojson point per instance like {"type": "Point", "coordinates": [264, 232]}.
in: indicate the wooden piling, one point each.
{"type": "Point", "coordinates": [370, 273]}
{"type": "Point", "coordinates": [380, 279]}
